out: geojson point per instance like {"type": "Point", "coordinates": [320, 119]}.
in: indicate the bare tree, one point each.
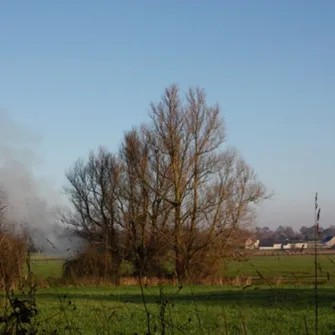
{"type": "Point", "coordinates": [263, 233]}
{"type": "Point", "coordinates": [173, 187]}
{"type": "Point", "coordinates": [211, 190]}
{"type": "Point", "coordinates": [145, 211]}
{"type": "Point", "coordinates": [93, 189]}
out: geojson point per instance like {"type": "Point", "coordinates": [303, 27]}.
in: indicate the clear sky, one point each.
{"type": "Point", "coordinates": [79, 73]}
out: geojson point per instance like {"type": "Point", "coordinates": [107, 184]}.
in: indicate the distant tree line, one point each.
{"type": "Point", "coordinates": [304, 234]}
{"type": "Point", "coordinates": [172, 194]}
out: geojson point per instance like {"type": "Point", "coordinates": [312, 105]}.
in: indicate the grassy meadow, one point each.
{"type": "Point", "coordinates": [256, 308]}
{"type": "Point", "coordinates": [300, 267]}
{"type": "Point", "coordinates": [189, 310]}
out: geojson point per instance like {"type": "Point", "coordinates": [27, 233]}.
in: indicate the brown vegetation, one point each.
{"type": "Point", "coordinates": [13, 248]}
{"type": "Point", "coordinates": [87, 265]}
{"type": "Point", "coordinates": [171, 194]}
{"type": "Point", "coordinates": [12, 258]}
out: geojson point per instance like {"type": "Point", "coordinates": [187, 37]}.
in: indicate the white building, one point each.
{"type": "Point", "coordinates": [251, 243]}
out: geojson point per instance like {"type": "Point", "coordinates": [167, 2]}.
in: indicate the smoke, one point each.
{"type": "Point", "coordinates": [32, 201]}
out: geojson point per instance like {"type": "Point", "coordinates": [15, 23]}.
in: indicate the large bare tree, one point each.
{"type": "Point", "coordinates": [211, 188]}
{"type": "Point", "coordinates": [172, 187]}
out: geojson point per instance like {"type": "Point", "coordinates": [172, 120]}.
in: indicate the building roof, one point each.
{"type": "Point", "coordinates": [266, 243]}
{"type": "Point", "coordinates": [327, 239]}
{"type": "Point", "coordinates": [281, 238]}
{"type": "Point", "coordinates": [269, 243]}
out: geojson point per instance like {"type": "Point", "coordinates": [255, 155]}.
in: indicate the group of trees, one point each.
{"type": "Point", "coordinates": [171, 193]}
{"type": "Point", "coordinates": [305, 233]}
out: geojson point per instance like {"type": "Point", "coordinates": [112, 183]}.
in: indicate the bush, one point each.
{"type": "Point", "coordinates": [12, 257]}
{"type": "Point", "coordinates": [94, 264]}
{"type": "Point", "coordinates": [90, 264]}
{"type": "Point", "coordinates": [127, 269]}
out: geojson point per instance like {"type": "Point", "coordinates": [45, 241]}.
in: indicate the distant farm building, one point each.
{"type": "Point", "coordinates": [251, 243]}
{"type": "Point", "coordinates": [268, 244]}
{"type": "Point", "coordinates": [328, 242]}
{"type": "Point", "coordinates": [296, 245]}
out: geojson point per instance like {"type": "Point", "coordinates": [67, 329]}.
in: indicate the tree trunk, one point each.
{"type": "Point", "coordinates": [116, 259]}
{"type": "Point", "coordinates": [179, 257]}
{"type": "Point", "coordinates": [180, 266]}
{"type": "Point", "coordinates": [116, 269]}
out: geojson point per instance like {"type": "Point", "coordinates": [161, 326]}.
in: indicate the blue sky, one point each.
{"type": "Point", "coordinates": [79, 73]}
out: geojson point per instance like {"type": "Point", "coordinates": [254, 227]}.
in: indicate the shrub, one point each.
{"type": "Point", "coordinates": [91, 263]}
{"type": "Point", "coordinates": [12, 257]}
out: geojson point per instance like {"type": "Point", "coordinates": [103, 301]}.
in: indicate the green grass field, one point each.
{"type": "Point", "coordinates": [192, 310]}
{"type": "Point", "coordinates": [269, 266]}
{"type": "Point", "coordinates": [284, 266]}
{"type": "Point", "coordinates": [258, 309]}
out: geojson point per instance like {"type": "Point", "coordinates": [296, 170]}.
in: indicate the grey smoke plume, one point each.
{"type": "Point", "coordinates": [32, 202]}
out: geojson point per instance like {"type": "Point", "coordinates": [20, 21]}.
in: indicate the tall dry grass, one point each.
{"type": "Point", "coordinates": [12, 258]}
